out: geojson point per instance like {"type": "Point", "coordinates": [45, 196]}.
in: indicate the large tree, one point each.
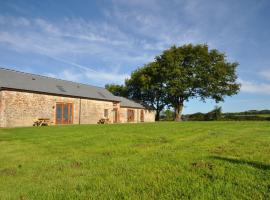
{"type": "Point", "coordinates": [194, 71]}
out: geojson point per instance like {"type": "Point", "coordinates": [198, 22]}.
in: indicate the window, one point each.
{"type": "Point", "coordinates": [106, 113]}
{"type": "Point", "coordinates": [64, 113]}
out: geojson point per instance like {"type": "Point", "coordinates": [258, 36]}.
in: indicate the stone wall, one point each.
{"type": "Point", "coordinates": [149, 115]}
{"type": "Point", "coordinates": [92, 111]}
{"type": "Point", "coordinates": [23, 108]}
{"type": "Point", "coordinates": [1, 110]}
{"type": "Point", "coordinates": [123, 114]}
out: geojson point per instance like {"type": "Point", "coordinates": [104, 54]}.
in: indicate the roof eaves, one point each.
{"type": "Point", "coordinates": [58, 94]}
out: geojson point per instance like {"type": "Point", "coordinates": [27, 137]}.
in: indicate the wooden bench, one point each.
{"type": "Point", "coordinates": [42, 122]}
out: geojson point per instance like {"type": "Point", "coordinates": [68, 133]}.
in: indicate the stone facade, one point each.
{"type": "Point", "coordinates": [148, 115]}
{"type": "Point", "coordinates": [1, 111]}
{"type": "Point", "coordinates": [19, 108]}
{"type": "Point", "coordinates": [93, 110]}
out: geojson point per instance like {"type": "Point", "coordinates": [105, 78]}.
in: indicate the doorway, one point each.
{"type": "Point", "coordinates": [130, 115]}
{"type": "Point", "coordinates": [64, 113]}
{"type": "Point", "coordinates": [115, 115]}
{"type": "Point", "coordinates": [142, 115]}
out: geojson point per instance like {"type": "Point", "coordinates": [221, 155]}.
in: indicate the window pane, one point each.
{"type": "Point", "coordinates": [59, 112]}
{"type": "Point", "coordinates": [70, 112]}
{"type": "Point", "coordinates": [66, 112]}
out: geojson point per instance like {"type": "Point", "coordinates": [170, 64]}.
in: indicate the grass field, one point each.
{"type": "Point", "coordinates": [190, 160]}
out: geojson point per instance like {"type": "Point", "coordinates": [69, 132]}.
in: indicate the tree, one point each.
{"type": "Point", "coordinates": [192, 71]}
{"type": "Point", "coordinates": [147, 85]}
{"type": "Point", "coordinates": [117, 90]}
{"type": "Point", "coordinates": [214, 115]}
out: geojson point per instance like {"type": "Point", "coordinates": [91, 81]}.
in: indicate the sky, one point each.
{"type": "Point", "coordinates": [103, 41]}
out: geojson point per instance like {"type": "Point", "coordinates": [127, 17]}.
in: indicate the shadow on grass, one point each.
{"type": "Point", "coordinates": [255, 164]}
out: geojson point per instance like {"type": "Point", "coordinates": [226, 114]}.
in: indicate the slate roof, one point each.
{"type": "Point", "coordinates": [124, 102]}
{"type": "Point", "coordinates": [29, 82]}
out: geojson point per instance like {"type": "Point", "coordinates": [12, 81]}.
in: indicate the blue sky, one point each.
{"type": "Point", "coordinates": [99, 42]}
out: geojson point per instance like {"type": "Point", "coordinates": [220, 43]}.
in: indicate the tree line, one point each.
{"type": "Point", "coordinates": [178, 75]}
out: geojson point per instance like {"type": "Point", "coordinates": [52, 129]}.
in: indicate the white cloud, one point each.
{"type": "Point", "coordinates": [71, 37]}
{"type": "Point", "coordinates": [75, 38]}
{"type": "Point", "coordinates": [254, 87]}
{"type": "Point", "coordinates": [130, 34]}
{"type": "Point", "coordinates": [265, 74]}
{"type": "Point", "coordinates": [96, 77]}
{"type": "Point", "coordinates": [89, 73]}
{"type": "Point", "coordinates": [69, 75]}
{"type": "Point", "coordinates": [107, 76]}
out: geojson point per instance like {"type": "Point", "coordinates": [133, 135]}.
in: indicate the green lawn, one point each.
{"type": "Point", "coordinates": [189, 160]}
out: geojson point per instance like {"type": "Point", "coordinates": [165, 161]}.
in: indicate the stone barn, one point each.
{"type": "Point", "coordinates": [26, 98]}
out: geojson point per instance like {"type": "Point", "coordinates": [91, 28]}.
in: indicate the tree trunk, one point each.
{"type": "Point", "coordinates": [178, 112]}
{"type": "Point", "coordinates": [157, 115]}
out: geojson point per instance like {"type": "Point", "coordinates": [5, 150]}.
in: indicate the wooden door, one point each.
{"type": "Point", "coordinates": [130, 115]}
{"type": "Point", "coordinates": [115, 115]}
{"type": "Point", "coordinates": [64, 113]}
{"type": "Point", "coordinates": [142, 116]}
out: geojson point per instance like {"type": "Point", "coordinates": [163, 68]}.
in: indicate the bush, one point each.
{"type": "Point", "coordinates": [244, 117]}
{"type": "Point", "coordinates": [167, 115]}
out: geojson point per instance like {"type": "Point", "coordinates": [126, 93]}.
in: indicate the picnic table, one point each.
{"type": "Point", "coordinates": [42, 122]}
{"type": "Point", "coordinates": [104, 121]}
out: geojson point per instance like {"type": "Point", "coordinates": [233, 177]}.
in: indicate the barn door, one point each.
{"type": "Point", "coordinates": [142, 116]}
{"type": "Point", "coordinates": [115, 115]}
{"type": "Point", "coordinates": [64, 113]}
{"type": "Point", "coordinates": [130, 115]}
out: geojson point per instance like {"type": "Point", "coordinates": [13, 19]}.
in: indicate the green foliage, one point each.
{"type": "Point", "coordinates": [235, 117]}
{"type": "Point", "coordinates": [117, 90]}
{"type": "Point", "coordinates": [194, 71]}
{"type": "Point", "coordinates": [254, 115]}
{"type": "Point", "coordinates": [167, 115]}
{"type": "Point", "coordinates": [216, 114]}
{"type": "Point", "coordinates": [167, 160]}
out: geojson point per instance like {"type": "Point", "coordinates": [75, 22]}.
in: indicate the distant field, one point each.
{"type": "Point", "coordinates": [189, 160]}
